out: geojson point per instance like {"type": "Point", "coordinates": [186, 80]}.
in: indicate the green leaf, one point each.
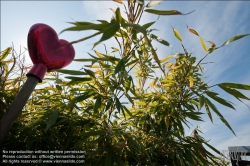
{"type": "Point", "coordinates": [212, 106]}
{"type": "Point", "coordinates": [165, 12]}
{"type": "Point", "coordinates": [5, 53]}
{"type": "Point", "coordinates": [220, 100]}
{"type": "Point", "coordinates": [114, 49]}
{"type": "Point", "coordinates": [85, 38]}
{"type": "Point", "coordinates": [236, 86]}
{"type": "Point", "coordinates": [85, 60]}
{"type": "Point", "coordinates": [81, 27]}
{"type": "Point", "coordinates": [203, 44]}
{"type": "Point", "coordinates": [201, 100]}
{"type": "Point", "coordinates": [146, 26]}
{"type": "Point", "coordinates": [120, 66]}
{"type": "Point", "coordinates": [98, 103]}
{"type": "Point", "coordinates": [118, 16]}
{"type": "Point", "coordinates": [233, 92]}
{"type": "Point", "coordinates": [108, 160]}
{"type": "Point", "coordinates": [110, 31]}
{"type": "Point", "coordinates": [85, 96]}
{"type": "Point", "coordinates": [71, 72]}
{"type": "Point", "coordinates": [90, 73]}
{"type": "Point", "coordinates": [80, 78]}
{"type": "Point", "coordinates": [126, 109]}
{"type": "Point", "coordinates": [118, 104]}
{"type": "Point", "coordinates": [52, 120]}
{"type": "Point", "coordinates": [234, 39]}
{"type": "Point", "coordinates": [136, 27]}
{"type": "Point", "coordinates": [153, 3]}
{"type": "Point", "coordinates": [164, 42]}
{"type": "Point", "coordinates": [208, 112]}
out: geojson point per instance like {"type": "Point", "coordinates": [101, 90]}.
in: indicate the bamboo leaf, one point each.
{"type": "Point", "coordinates": [153, 82]}
{"type": "Point", "coordinates": [5, 53]}
{"type": "Point", "coordinates": [136, 27]}
{"type": "Point", "coordinates": [118, 16]}
{"type": "Point", "coordinates": [120, 66]}
{"type": "Point", "coordinates": [191, 81]}
{"type": "Point", "coordinates": [85, 38]}
{"type": "Point", "coordinates": [164, 42]}
{"type": "Point", "coordinates": [234, 39]}
{"type": "Point", "coordinates": [79, 78]}
{"type": "Point", "coordinates": [203, 44]}
{"type": "Point", "coordinates": [118, 104]}
{"type": "Point", "coordinates": [140, 2]}
{"type": "Point", "coordinates": [98, 103]}
{"type": "Point", "coordinates": [71, 72]}
{"type": "Point", "coordinates": [208, 112]}
{"type": "Point", "coordinates": [86, 26]}
{"type": "Point", "coordinates": [165, 12]}
{"type": "Point", "coordinates": [98, 54]}
{"type": "Point", "coordinates": [90, 73]}
{"type": "Point", "coordinates": [52, 120]}
{"type": "Point", "coordinates": [201, 100]}
{"type": "Point", "coordinates": [119, 1]}
{"type": "Point", "coordinates": [177, 34]}
{"type": "Point", "coordinates": [220, 100]}
{"type": "Point", "coordinates": [146, 26]}
{"type": "Point", "coordinates": [236, 86]}
{"type": "Point", "coordinates": [167, 58]}
{"type": "Point", "coordinates": [110, 31]}
{"type": "Point", "coordinates": [212, 106]}
{"type": "Point", "coordinates": [233, 92]}
{"type": "Point", "coordinates": [153, 3]}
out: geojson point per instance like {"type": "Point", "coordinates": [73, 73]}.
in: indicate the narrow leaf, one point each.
{"type": "Point", "coordinates": [203, 44]}
{"type": "Point", "coordinates": [98, 54]}
{"type": "Point", "coordinates": [167, 58]}
{"type": "Point", "coordinates": [208, 112]}
{"type": "Point", "coordinates": [71, 72]}
{"type": "Point", "coordinates": [177, 34]}
{"type": "Point", "coordinates": [110, 31]}
{"type": "Point", "coordinates": [79, 78]}
{"type": "Point", "coordinates": [212, 106]}
{"type": "Point", "coordinates": [146, 26]}
{"type": "Point", "coordinates": [236, 86]}
{"type": "Point", "coordinates": [191, 81]}
{"type": "Point", "coordinates": [136, 27]}
{"type": "Point", "coordinates": [90, 73]}
{"type": "Point", "coordinates": [201, 100]}
{"type": "Point", "coordinates": [52, 120]}
{"type": "Point", "coordinates": [153, 3]}
{"type": "Point", "coordinates": [120, 66]}
{"type": "Point", "coordinates": [5, 53]}
{"type": "Point", "coordinates": [118, 104]}
{"type": "Point", "coordinates": [164, 42]}
{"type": "Point", "coordinates": [220, 100]}
{"type": "Point", "coordinates": [233, 92]}
{"type": "Point", "coordinates": [234, 39]}
{"type": "Point", "coordinates": [140, 2]}
{"type": "Point", "coordinates": [98, 103]}
{"type": "Point", "coordinates": [165, 12]}
{"type": "Point", "coordinates": [118, 16]}
{"type": "Point", "coordinates": [118, 1]}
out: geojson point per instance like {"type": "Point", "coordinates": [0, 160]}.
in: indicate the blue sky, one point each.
{"type": "Point", "coordinates": [215, 21]}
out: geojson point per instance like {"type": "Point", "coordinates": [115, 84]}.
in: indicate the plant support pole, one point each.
{"type": "Point", "coordinates": [17, 106]}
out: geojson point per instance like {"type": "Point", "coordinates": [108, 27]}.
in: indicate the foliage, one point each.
{"type": "Point", "coordinates": [127, 107]}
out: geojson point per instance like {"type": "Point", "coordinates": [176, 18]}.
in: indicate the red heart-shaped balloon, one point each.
{"type": "Point", "coordinates": [46, 49]}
